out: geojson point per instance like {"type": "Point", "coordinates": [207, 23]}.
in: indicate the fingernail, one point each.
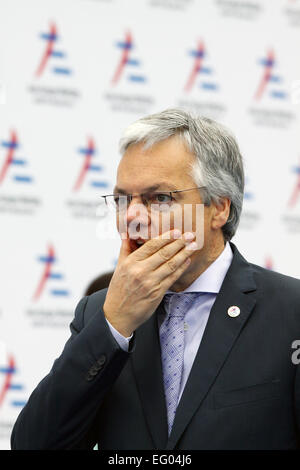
{"type": "Point", "coordinates": [189, 236]}
{"type": "Point", "coordinates": [177, 233]}
{"type": "Point", "coordinates": [192, 246]}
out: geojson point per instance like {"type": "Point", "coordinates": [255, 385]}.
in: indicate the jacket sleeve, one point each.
{"type": "Point", "coordinates": [61, 410]}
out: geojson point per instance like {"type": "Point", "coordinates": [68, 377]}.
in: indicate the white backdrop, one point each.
{"type": "Point", "coordinates": [65, 97]}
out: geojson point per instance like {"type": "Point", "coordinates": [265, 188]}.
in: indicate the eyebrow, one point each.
{"type": "Point", "coordinates": [147, 189]}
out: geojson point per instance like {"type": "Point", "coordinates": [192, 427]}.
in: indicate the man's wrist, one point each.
{"type": "Point", "coordinates": [123, 330]}
{"type": "Point", "coordinates": [123, 342]}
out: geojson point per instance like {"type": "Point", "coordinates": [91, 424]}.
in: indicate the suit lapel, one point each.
{"type": "Point", "coordinates": [219, 337]}
{"type": "Point", "coordinates": [147, 369]}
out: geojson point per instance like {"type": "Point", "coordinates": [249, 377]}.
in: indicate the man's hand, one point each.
{"type": "Point", "coordinates": [142, 277]}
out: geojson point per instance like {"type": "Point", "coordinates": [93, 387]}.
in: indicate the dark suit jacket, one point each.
{"type": "Point", "coordinates": [243, 391]}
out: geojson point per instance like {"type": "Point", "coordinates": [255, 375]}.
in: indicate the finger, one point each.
{"type": "Point", "coordinates": [154, 244]}
{"type": "Point", "coordinates": [168, 281]}
{"type": "Point", "coordinates": [168, 251]}
{"type": "Point", "coordinates": [125, 249]}
{"type": "Point", "coordinates": [171, 265]}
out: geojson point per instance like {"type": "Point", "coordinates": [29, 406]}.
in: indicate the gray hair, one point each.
{"type": "Point", "coordinates": [218, 165]}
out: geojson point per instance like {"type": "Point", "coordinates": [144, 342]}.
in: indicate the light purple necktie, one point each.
{"type": "Point", "coordinates": [172, 347]}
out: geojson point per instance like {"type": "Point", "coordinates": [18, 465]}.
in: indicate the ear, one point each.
{"type": "Point", "coordinates": [220, 213]}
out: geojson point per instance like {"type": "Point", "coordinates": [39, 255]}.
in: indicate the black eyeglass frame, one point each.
{"type": "Point", "coordinates": [130, 196]}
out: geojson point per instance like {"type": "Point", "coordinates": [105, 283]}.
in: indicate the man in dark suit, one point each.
{"type": "Point", "coordinates": [190, 346]}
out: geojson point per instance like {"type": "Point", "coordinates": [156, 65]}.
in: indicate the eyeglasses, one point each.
{"type": "Point", "coordinates": [158, 200]}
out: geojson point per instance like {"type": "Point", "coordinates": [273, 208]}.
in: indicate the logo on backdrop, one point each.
{"type": "Point", "coordinates": [250, 216]}
{"type": "Point", "coordinates": [201, 75]}
{"type": "Point", "coordinates": [291, 218]}
{"type": "Point", "coordinates": [88, 182]}
{"type": "Point", "coordinates": [269, 263]}
{"type": "Point", "coordinates": [51, 295]}
{"type": "Point", "coordinates": [128, 66]}
{"type": "Point", "coordinates": [295, 197]}
{"type": "Point", "coordinates": [272, 103]}
{"type": "Point", "coordinates": [13, 161]}
{"type": "Point", "coordinates": [88, 154]}
{"type": "Point", "coordinates": [16, 178]}
{"type": "Point", "coordinates": [129, 78]}
{"type": "Point", "coordinates": [50, 276]}
{"type": "Point", "coordinates": [270, 83]}
{"type": "Point", "coordinates": [52, 51]}
{"type": "Point", "coordinates": [248, 194]}
{"type": "Point", "coordinates": [50, 85]}
{"type": "Point", "coordinates": [11, 390]}
{"type": "Point", "coordinates": [201, 88]}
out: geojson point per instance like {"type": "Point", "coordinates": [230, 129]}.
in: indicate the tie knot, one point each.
{"type": "Point", "coordinates": [176, 305]}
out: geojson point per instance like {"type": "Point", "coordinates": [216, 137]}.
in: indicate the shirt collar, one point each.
{"type": "Point", "coordinates": [212, 278]}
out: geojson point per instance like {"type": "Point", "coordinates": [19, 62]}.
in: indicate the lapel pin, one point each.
{"type": "Point", "coordinates": [233, 311]}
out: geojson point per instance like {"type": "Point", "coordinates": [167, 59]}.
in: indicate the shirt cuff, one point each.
{"type": "Point", "coordinates": [121, 340]}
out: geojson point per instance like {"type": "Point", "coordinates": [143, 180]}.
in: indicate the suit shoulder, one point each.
{"type": "Point", "coordinates": [87, 307]}
{"type": "Point", "coordinates": [94, 303]}
{"type": "Point", "coordinates": [276, 281]}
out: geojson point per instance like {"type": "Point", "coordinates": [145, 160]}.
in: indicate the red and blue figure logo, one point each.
{"type": "Point", "coordinates": [9, 372]}
{"type": "Point", "coordinates": [127, 62]}
{"type": "Point", "coordinates": [12, 160]}
{"type": "Point", "coordinates": [270, 82]}
{"type": "Point", "coordinates": [49, 275]}
{"type": "Point", "coordinates": [88, 153]}
{"type": "Point", "coordinates": [52, 52]}
{"type": "Point", "coordinates": [295, 197]}
{"type": "Point", "coordinates": [269, 263]}
{"type": "Point", "coordinates": [200, 69]}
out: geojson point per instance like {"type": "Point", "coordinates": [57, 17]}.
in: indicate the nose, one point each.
{"type": "Point", "coordinates": [137, 211]}
{"type": "Point", "coordinates": [137, 220]}
{"type": "Point", "coordinates": [134, 220]}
